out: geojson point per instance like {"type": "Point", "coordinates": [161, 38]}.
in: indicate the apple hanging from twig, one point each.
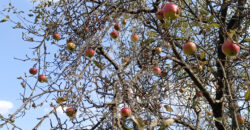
{"type": "Point", "coordinates": [114, 34]}
{"type": "Point", "coordinates": [71, 112]}
{"type": "Point", "coordinates": [157, 70]}
{"type": "Point", "coordinates": [240, 120]}
{"type": "Point", "coordinates": [33, 71]}
{"type": "Point", "coordinates": [189, 48]}
{"type": "Point", "coordinates": [86, 29]}
{"type": "Point", "coordinates": [181, 90]}
{"type": "Point", "coordinates": [230, 48]}
{"type": "Point", "coordinates": [158, 50]}
{"type": "Point", "coordinates": [90, 53]}
{"type": "Point", "coordinates": [71, 46]}
{"type": "Point", "coordinates": [56, 36]}
{"type": "Point", "coordinates": [134, 37]}
{"type": "Point", "coordinates": [117, 27]}
{"type": "Point", "coordinates": [42, 78]}
{"type": "Point", "coordinates": [125, 112]}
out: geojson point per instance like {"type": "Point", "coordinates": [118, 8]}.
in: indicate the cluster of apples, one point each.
{"type": "Point", "coordinates": [41, 78]}
{"type": "Point", "coordinates": [157, 70]}
{"type": "Point", "coordinates": [71, 46]}
{"type": "Point", "coordinates": [171, 11]}
{"type": "Point", "coordinates": [114, 34]}
{"type": "Point", "coordinates": [126, 112]}
{"type": "Point", "coordinates": [167, 11]}
{"type": "Point", "coordinates": [229, 48]}
{"type": "Point", "coordinates": [86, 29]}
{"type": "Point", "coordinates": [89, 52]}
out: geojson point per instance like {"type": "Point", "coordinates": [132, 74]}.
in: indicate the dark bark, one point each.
{"type": "Point", "coordinates": [218, 106]}
{"type": "Point", "coordinates": [222, 85]}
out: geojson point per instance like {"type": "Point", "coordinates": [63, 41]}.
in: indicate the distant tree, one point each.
{"type": "Point", "coordinates": [182, 64]}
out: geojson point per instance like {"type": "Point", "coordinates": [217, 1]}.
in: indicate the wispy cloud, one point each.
{"type": "Point", "coordinates": [59, 110]}
{"type": "Point", "coordinates": [5, 106]}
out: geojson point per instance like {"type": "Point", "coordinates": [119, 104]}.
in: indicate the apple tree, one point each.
{"type": "Point", "coordinates": [136, 64]}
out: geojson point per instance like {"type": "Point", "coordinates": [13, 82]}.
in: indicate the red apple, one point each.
{"type": "Point", "coordinates": [86, 29]}
{"type": "Point", "coordinates": [114, 34]}
{"type": "Point", "coordinates": [230, 48]}
{"type": "Point", "coordinates": [181, 90]}
{"type": "Point", "coordinates": [157, 70]}
{"type": "Point", "coordinates": [33, 71]}
{"type": "Point", "coordinates": [240, 120]}
{"type": "Point", "coordinates": [159, 14]}
{"type": "Point", "coordinates": [125, 112]}
{"type": "Point", "coordinates": [90, 53]}
{"type": "Point", "coordinates": [158, 50]}
{"type": "Point", "coordinates": [56, 36]}
{"type": "Point", "coordinates": [189, 48]}
{"type": "Point", "coordinates": [170, 11]}
{"type": "Point", "coordinates": [134, 37]}
{"type": "Point", "coordinates": [117, 27]}
{"type": "Point", "coordinates": [70, 112]}
{"type": "Point", "coordinates": [199, 94]}
{"type": "Point", "coordinates": [42, 78]}
{"type": "Point", "coordinates": [71, 46]}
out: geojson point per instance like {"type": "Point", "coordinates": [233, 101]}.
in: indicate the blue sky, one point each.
{"type": "Point", "coordinates": [12, 46]}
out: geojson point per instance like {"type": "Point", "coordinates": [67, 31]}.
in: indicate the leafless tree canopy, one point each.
{"type": "Point", "coordinates": [120, 74]}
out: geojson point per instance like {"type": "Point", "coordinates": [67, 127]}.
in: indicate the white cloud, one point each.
{"type": "Point", "coordinates": [59, 110]}
{"type": "Point", "coordinates": [5, 106]}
